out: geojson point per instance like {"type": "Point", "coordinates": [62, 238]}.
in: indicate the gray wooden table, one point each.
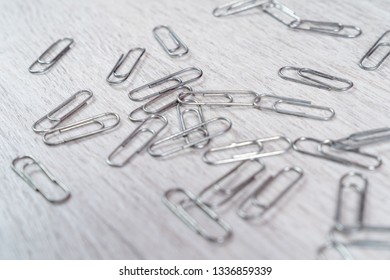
{"type": "Point", "coordinates": [118, 213]}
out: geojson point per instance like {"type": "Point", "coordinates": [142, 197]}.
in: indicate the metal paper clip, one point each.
{"type": "Point", "coordinates": [378, 44]}
{"type": "Point", "coordinates": [364, 138]}
{"type": "Point", "coordinates": [279, 12]}
{"type": "Point", "coordinates": [237, 7]}
{"type": "Point", "coordinates": [175, 77]}
{"type": "Point", "coordinates": [260, 207]}
{"type": "Point", "coordinates": [180, 48]}
{"type": "Point", "coordinates": [328, 113]}
{"type": "Point", "coordinates": [193, 224]}
{"type": "Point", "coordinates": [186, 133]}
{"type": "Point", "coordinates": [320, 153]}
{"type": "Point", "coordinates": [327, 28]}
{"type": "Point", "coordinates": [307, 80]}
{"type": "Point", "coordinates": [100, 123]}
{"type": "Point", "coordinates": [114, 78]}
{"type": "Point", "coordinates": [198, 112]}
{"type": "Point", "coordinates": [258, 153]}
{"type": "Point", "coordinates": [147, 110]}
{"type": "Point", "coordinates": [142, 128]}
{"type": "Point", "coordinates": [220, 98]}
{"type": "Point", "coordinates": [48, 64]}
{"type": "Point", "coordinates": [225, 194]}
{"type": "Point", "coordinates": [56, 120]}
{"type": "Point", "coordinates": [359, 184]}
{"type": "Point", "coordinates": [28, 161]}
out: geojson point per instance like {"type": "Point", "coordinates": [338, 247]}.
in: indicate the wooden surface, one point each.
{"type": "Point", "coordinates": [118, 213]}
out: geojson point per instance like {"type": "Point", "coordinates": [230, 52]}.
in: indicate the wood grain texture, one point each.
{"type": "Point", "coordinates": [118, 213]}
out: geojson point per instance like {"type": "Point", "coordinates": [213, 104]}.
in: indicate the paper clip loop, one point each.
{"type": "Point", "coordinates": [326, 114]}
{"type": "Point", "coordinates": [102, 121]}
{"type": "Point", "coordinates": [372, 50]}
{"type": "Point", "coordinates": [180, 211]}
{"type": "Point", "coordinates": [226, 194]}
{"type": "Point", "coordinates": [259, 153]}
{"type": "Point", "coordinates": [307, 80]}
{"type": "Point", "coordinates": [30, 161]}
{"type": "Point", "coordinates": [237, 7]}
{"type": "Point", "coordinates": [175, 77]}
{"type": "Point", "coordinates": [274, 9]}
{"type": "Point", "coordinates": [49, 64]}
{"type": "Point", "coordinates": [51, 118]}
{"type": "Point", "coordinates": [364, 138]}
{"type": "Point", "coordinates": [186, 133]}
{"type": "Point", "coordinates": [320, 153]}
{"type": "Point", "coordinates": [253, 201]}
{"type": "Point", "coordinates": [180, 48]}
{"type": "Point", "coordinates": [140, 129]}
{"type": "Point", "coordinates": [113, 77]}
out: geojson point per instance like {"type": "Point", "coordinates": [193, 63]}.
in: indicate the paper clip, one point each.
{"type": "Point", "coordinates": [259, 208]}
{"type": "Point", "coordinates": [213, 191]}
{"type": "Point", "coordinates": [258, 153]}
{"type": "Point", "coordinates": [327, 113]}
{"type": "Point", "coordinates": [49, 64]}
{"type": "Point", "coordinates": [320, 153]}
{"type": "Point", "coordinates": [307, 80]}
{"type": "Point", "coordinates": [237, 7]}
{"type": "Point", "coordinates": [378, 44]}
{"type": "Point", "coordinates": [114, 78]}
{"type": "Point", "coordinates": [359, 184]}
{"type": "Point", "coordinates": [147, 107]}
{"type": "Point", "coordinates": [327, 28]}
{"type": "Point", "coordinates": [180, 48]}
{"type": "Point", "coordinates": [198, 112]}
{"type": "Point", "coordinates": [28, 161]}
{"type": "Point", "coordinates": [51, 118]}
{"type": "Point", "coordinates": [191, 222]}
{"type": "Point", "coordinates": [100, 123]}
{"type": "Point", "coordinates": [175, 77]}
{"type": "Point", "coordinates": [364, 138]}
{"type": "Point", "coordinates": [186, 133]}
{"type": "Point", "coordinates": [142, 128]}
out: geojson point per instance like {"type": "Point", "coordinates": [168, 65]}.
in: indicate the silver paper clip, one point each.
{"type": "Point", "coordinates": [48, 64]}
{"type": "Point", "coordinates": [260, 151]}
{"type": "Point", "coordinates": [54, 120]}
{"type": "Point", "coordinates": [185, 133]}
{"type": "Point", "coordinates": [180, 48]}
{"type": "Point", "coordinates": [259, 208]}
{"type": "Point", "coordinates": [305, 79]}
{"type": "Point", "coordinates": [180, 211]}
{"type": "Point", "coordinates": [175, 78]}
{"type": "Point", "coordinates": [237, 7]}
{"type": "Point", "coordinates": [99, 124]}
{"type": "Point", "coordinates": [113, 77]}
{"type": "Point", "coordinates": [228, 98]}
{"type": "Point", "coordinates": [325, 113]}
{"type": "Point", "coordinates": [29, 161]}
{"type": "Point", "coordinates": [215, 195]}
{"type": "Point", "coordinates": [198, 112]}
{"type": "Point", "coordinates": [319, 152]}
{"type": "Point", "coordinates": [364, 138]}
{"type": "Point", "coordinates": [142, 128]}
{"type": "Point", "coordinates": [149, 108]}
{"type": "Point", "coordinates": [378, 44]}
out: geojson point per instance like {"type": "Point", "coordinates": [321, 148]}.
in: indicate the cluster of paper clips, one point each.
{"type": "Point", "coordinates": [351, 230]}
{"type": "Point", "coordinates": [174, 91]}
